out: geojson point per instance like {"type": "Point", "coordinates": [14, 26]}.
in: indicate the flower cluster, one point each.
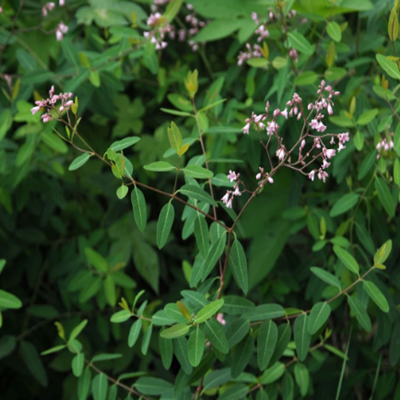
{"type": "Point", "coordinates": [61, 30]}
{"type": "Point", "coordinates": [47, 8]}
{"type": "Point", "coordinates": [230, 194]}
{"type": "Point", "coordinates": [262, 32]}
{"type": "Point", "coordinates": [50, 104]}
{"type": "Point", "coordinates": [161, 28]}
{"type": "Point", "coordinates": [384, 145]}
{"type": "Point", "coordinates": [250, 53]}
{"type": "Point", "coordinates": [317, 149]}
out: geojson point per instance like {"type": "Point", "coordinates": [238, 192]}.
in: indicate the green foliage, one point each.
{"type": "Point", "coordinates": [219, 286]}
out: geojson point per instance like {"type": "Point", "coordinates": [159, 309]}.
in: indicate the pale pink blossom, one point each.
{"type": "Point", "coordinates": [322, 175]}
{"type": "Point", "coordinates": [280, 153]}
{"type": "Point", "coordinates": [272, 127]}
{"type": "Point", "coordinates": [246, 129]}
{"type": "Point", "coordinates": [47, 8]}
{"type": "Point", "coordinates": [311, 175]}
{"type": "Point", "coordinates": [270, 180]}
{"type": "Point", "coordinates": [61, 3]}
{"type": "Point", "coordinates": [329, 153]}
{"type": "Point", "coordinates": [260, 174]}
{"type": "Point", "coordinates": [220, 319]}
{"type": "Point", "coordinates": [232, 176]}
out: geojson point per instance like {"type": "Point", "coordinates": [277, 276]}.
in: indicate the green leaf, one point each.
{"type": "Point", "coordinates": [237, 330]}
{"type": "Point", "coordinates": [152, 386]}
{"type": "Point", "coordinates": [217, 378]}
{"type": "Point", "coordinates": [216, 335]}
{"type": "Point", "coordinates": [360, 313]}
{"type": "Point", "coordinates": [266, 342]}
{"type": "Point", "coordinates": [347, 259]}
{"type": "Point", "coordinates": [237, 391]}
{"type": "Point", "coordinates": [99, 387]}
{"type": "Point", "coordinates": [239, 265]}
{"type": "Point", "coordinates": [124, 143]}
{"type": "Point", "coordinates": [172, 9]}
{"type": "Point", "coordinates": [385, 197]}
{"type": "Point", "coordinates": [175, 331]}
{"type": "Point", "coordinates": [201, 234]}
{"type": "Point", "coordinates": [389, 66]}
{"type": "Point", "coordinates": [306, 78]}
{"type": "Point", "coordinates": [300, 43]}
{"type": "Point", "coordinates": [174, 137]}
{"type": "Point", "coordinates": [181, 351]}
{"type": "Point", "coordinates": [196, 193]}
{"type": "Point", "coordinates": [77, 364]}
{"type": "Point", "coordinates": [237, 305]}
{"type": "Point", "coordinates": [96, 260]}
{"type": "Point", "coordinates": [213, 256]}
{"type": "Point", "coordinates": [394, 350]}
{"type": "Point", "coordinates": [287, 387]}
{"type": "Point", "coordinates": [214, 104]}
{"type": "Point", "coordinates": [366, 165]}
{"type": "Point", "coordinates": [166, 351]}
{"type": "Point", "coordinates": [159, 166]}
{"type": "Point", "coordinates": [139, 208]}
{"type": "Point", "coordinates": [326, 276]}
{"type": "Point", "coordinates": [33, 362]}
{"type": "Point", "coordinates": [79, 161]}
{"type": "Point", "coordinates": [77, 330]}
{"type": "Point", "coordinates": [318, 316]}
{"type": "Point", "coordinates": [241, 355]}
{"type": "Point", "coordinates": [106, 357]}
{"type": "Point", "coordinates": [302, 377]}
{"type": "Point", "coordinates": [84, 384]}
{"type": "Point", "coordinates": [195, 298]}
{"type": "Point", "coordinates": [177, 113]}
{"type": "Point", "coordinates": [272, 374]}
{"type": "Point", "coordinates": [109, 290]}
{"type": "Point", "coordinates": [334, 31]}
{"type": "Point", "coordinates": [180, 102]}
{"type": "Point", "coordinates": [134, 332]}
{"type": "Point", "coordinates": [120, 316]}
{"type": "Point", "coordinates": [302, 338]}
{"type": "Point", "coordinates": [8, 300]}
{"type": "Point", "coordinates": [196, 345]}
{"type": "Point", "coordinates": [208, 311]}
{"type": "Point", "coordinates": [367, 116]}
{"type": "Point", "coordinates": [257, 62]}
{"type": "Point", "coordinates": [164, 224]}
{"type": "Point", "coordinates": [54, 349]}
{"type": "Point", "coordinates": [146, 339]}
{"type": "Point", "coordinates": [122, 191]}
{"type": "Point", "coordinates": [345, 203]}
{"type": "Point", "coordinates": [195, 171]}
{"type": "Point", "coordinates": [217, 29]}
{"type": "Point", "coordinates": [376, 295]}
{"type": "Point", "coordinates": [266, 311]}
{"type": "Point", "coordinates": [383, 252]}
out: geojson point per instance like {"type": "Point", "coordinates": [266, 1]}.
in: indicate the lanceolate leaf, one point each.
{"type": "Point", "coordinates": [175, 331]}
{"type": "Point", "coordinates": [196, 345]}
{"type": "Point", "coordinates": [266, 342]}
{"type": "Point", "coordinates": [302, 338]}
{"type": "Point", "coordinates": [99, 387]}
{"type": "Point", "coordinates": [84, 384]}
{"type": "Point", "coordinates": [139, 208]}
{"type": "Point", "coordinates": [327, 277]}
{"type": "Point", "coordinates": [134, 332]}
{"type": "Point", "coordinates": [284, 335]}
{"type": "Point", "coordinates": [196, 193]}
{"type": "Point", "coordinates": [347, 259]}
{"type": "Point", "coordinates": [237, 330]}
{"type": "Point", "coordinates": [152, 386]}
{"type": "Point", "coordinates": [389, 66]}
{"type": "Point", "coordinates": [385, 196]}
{"type": "Point", "coordinates": [79, 161]}
{"type": "Point", "coordinates": [360, 313]}
{"type": "Point", "coordinates": [181, 351]}
{"type": "Point", "coordinates": [8, 300]}
{"type": "Point", "coordinates": [239, 265]}
{"type": "Point", "coordinates": [164, 224]}
{"type": "Point", "coordinates": [241, 355]}
{"type": "Point", "coordinates": [166, 351]}
{"type": "Point", "coordinates": [216, 336]}
{"type": "Point", "coordinates": [345, 203]}
{"type": "Point", "coordinates": [318, 316]}
{"type": "Point", "coordinates": [376, 295]}
{"type": "Point", "coordinates": [201, 234]}
{"type": "Point", "coordinates": [198, 172]}
{"type": "Point", "coordinates": [213, 256]}
{"type": "Point", "coordinates": [208, 311]}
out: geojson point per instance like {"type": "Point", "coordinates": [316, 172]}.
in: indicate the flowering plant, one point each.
{"type": "Point", "coordinates": [182, 218]}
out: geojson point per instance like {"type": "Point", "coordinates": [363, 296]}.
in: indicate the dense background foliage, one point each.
{"type": "Point", "coordinates": [70, 249]}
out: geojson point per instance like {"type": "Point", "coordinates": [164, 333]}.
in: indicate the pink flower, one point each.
{"type": "Point", "coordinates": [61, 30]}
{"type": "Point", "coordinates": [220, 318]}
{"type": "Point", "coordinates": [225, 199]}
{"type": "Point", "coordinates": [246, 128]}
{"type": "Point", "coordinates": [62, 3]}
{"type": "Point", "coordinates": [229, 203]}
{"type": "Point", "coordinates": [329, 153]}
{"type": "Point", "coordinates": [272, 127]}
{"type": "Point", "coordinates": [311, 175]}
{"type": "Point", "coordinates": [47, 7]}
{"type": "Point", "coordinates": [330, 109]}
{"type": "Point", "coordinates": [322, 175]}
{"type": "Point", "coordinates": [232, 176]}
{"type": "Point", "coordinates": [34, 110]}
{"type": "Point", "coordinates": [280, 153]}
{"type": "Point", "coordinates": [270, 180]}
{"type": "Point", "coordinates": [237, 192]}
{"type": "Point", "coordinates": [260, 174]}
